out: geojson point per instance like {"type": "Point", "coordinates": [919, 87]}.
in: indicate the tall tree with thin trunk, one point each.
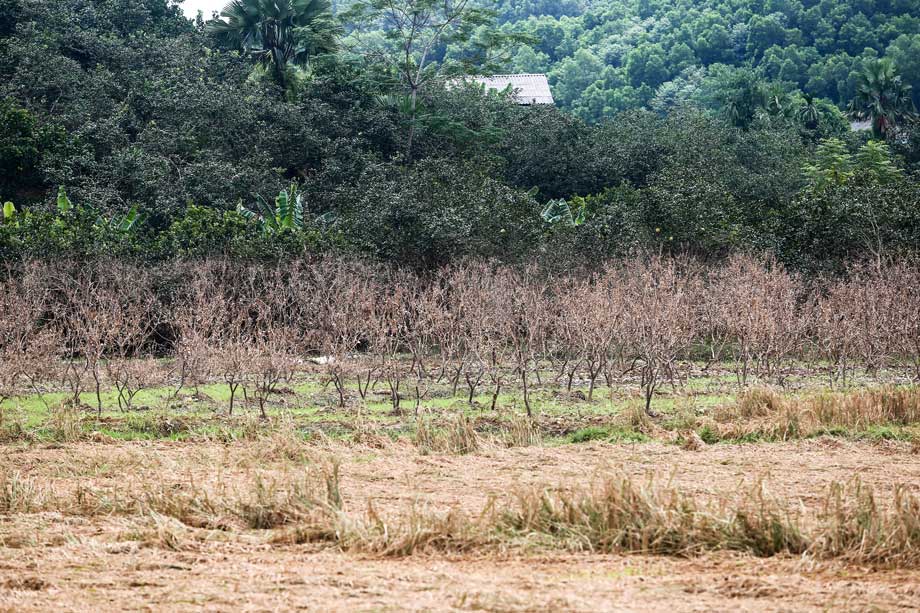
{"type": "Point", "coordinates": [418, 33]}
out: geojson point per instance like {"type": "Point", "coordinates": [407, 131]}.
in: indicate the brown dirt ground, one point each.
{"type": "Point", "coordinates": [55, 561]}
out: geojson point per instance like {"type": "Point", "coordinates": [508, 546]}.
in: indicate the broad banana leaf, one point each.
{"type": "Point", "coordinates": [298, 211]}
{"type": "Point", "coordinates": [283, 209]}
{"type": "Point", "coordinates": [558, 211]}
{"type": "Point", "coordinates": [63, 202]}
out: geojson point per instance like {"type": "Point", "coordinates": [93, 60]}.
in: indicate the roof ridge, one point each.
{"type": "Point", "coordinates": [528, 86]}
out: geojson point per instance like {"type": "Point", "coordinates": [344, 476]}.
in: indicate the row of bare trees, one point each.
{"type": "Point", "coordinates": [476, 326]}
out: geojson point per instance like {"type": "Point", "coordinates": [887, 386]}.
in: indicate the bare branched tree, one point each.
{"type": "Point", "coordinates": [658, 316]}
{"type": "Point", "coordinates": [767, 329]}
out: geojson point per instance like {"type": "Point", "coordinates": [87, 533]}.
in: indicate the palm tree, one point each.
{"type": "Point", "coordinates": [882, 98]}
{"type": "Point", "coordinates": [776, 102]}
{"type": "Point", "coordinates": [808, 113]}
{"type": "Point", "coordinates": [278, 33]}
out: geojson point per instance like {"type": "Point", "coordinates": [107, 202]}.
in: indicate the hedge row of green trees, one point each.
{"type": "Point", "coordinates": [172, 138]}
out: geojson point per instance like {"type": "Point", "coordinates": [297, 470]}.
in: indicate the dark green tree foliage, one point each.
{"type": "Point", "coordinates": [23, 145]}
{"type": "Point", "coordinates": [436, 212]}
{"type": "Point", "coordinates": [600, 55]}
{"type": "Point", "coordinates": [410, 47]}
{"type": "Point", "coordinates": [142, 112]}
{"type": "Point", "coordinates": [162, 137]}
{"type": "Point", "coordinates": [852, 221]}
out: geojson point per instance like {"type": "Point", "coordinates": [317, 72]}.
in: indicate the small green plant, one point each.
{"type": "Point", "coordinates": [888, 433]}
{"type": "Point", "coordinates": [572, 214]}
{"type": "Point", "coordinates": [608, 434]}
{"type": "Point", "coordinates": [709, 435]}
{"type": "Point", "coordinates": [64, 205]}
{"type": "Point", "coordinates": [286, 214]}
{"type": "Point", "coordinates": [117, 223]}
{"type": "Point", "coordinates": [591, 433]}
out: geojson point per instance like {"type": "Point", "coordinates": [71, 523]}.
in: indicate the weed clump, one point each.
{"type": "Point", "coordinates": [767, 414]}
{"type": "Point", "coordinates": [457, 437]}
{"type": "Point", "coordinates": [610, 434]}
{"type": "Point", "coordinates": [521, 431]}
{"type": "Point", "coordinates": [18, 494]}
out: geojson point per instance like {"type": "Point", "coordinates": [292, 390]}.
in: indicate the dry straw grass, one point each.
{"type": "Point", "coordinates": [457, 436]}
{"type": "Point", "coordinates": [521, 431]}
{"type": "Point", "coordinates": [619, 516]}
{"type": "Point", "coordinates": [855, 529]}
{"type": "Point", "coordinates": [66, 423]}
{"type": "Point", "coordinates": [18, 494]}
{"type": "Point", "coordinates": [766, 412]}
{"type": "Point", "coordinates": [615, 515]}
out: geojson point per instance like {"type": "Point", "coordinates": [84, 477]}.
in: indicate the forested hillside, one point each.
{"type": "Point", "coordinates": [608, 55]}
{"type": "Point", "coordinates": [128, 129]}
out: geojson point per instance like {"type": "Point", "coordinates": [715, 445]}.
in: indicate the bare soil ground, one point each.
{"type": "Point", "coordinates": [55, 560]}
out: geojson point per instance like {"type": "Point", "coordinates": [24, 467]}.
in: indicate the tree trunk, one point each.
{"type": "Point", "coordinates": [526, 395]}
{"type": "Point", "coordinates": [413, 102]}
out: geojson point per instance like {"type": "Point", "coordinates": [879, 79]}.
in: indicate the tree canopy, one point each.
{"type": "Point", "coordinates": [171, 138]}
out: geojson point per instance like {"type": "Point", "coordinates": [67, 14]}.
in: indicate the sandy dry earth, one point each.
{"type": "Point", "coordinates": [64, 562]}
{"type": "Point", "coordinates": [263, 579]}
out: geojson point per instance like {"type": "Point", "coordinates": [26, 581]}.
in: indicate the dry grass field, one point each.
{"type": "Point", "coordinates": [455, 514]}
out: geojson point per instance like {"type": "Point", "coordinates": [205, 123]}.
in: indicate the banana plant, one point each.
{"type": "Point", "coordinates": [286, 214]}
{"type": "Point", "coordinates": [64, 205]}
{"type": "Point", "coordinates": [118, 223]}
{"type": "Point", "coordinates": [572, 214]}
{"type": "Point", "coordinates": [9, 211]}
{"type": "Point", "coordinates": [123, 223]}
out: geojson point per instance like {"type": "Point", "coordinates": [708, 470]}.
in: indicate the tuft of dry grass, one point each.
{"type": "Point", "coordinates": [619, 516]}
{"type": "Point", "coordinates": [856, 529]}
{"type": "Point", "coordinates": [521, 431]}
{"type": "Point", "coordinates": [166, 533]}
{"type": "Point", "coordinates": [758, 402]}
{"type": "Point", "coordinates": [270, 503]}
{"type": "Point", "coordinates": [160, 424]}
{"type": "Point", "coordinates": [18, 494]}
{"type": "Point", "coordinates": [614, 514]}
{"type": "Point", "coordinates": [417, 531]}
{"type": "Point", "coordinates": [13, 430]}
{"type": "Point", "coordinates": [188, 503]}
{"type": "Point", "coordinates": [368, 434]}
{"type": "Point", "coordinates": [457, 436]}
{"type": "Point", "coordinates": [65, 423]}
{"type": "Point", "coordinates": [282, 444]}
{"type": "Point", "coordinates": [766, 412]}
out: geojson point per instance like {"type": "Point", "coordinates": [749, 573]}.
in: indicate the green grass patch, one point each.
{"type": "Point", "coordinates": [607, 434]}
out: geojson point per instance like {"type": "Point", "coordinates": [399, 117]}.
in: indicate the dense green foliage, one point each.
{"type": "Point", "coordinates": [176, 139]}
{"type": "Point", "coordinates": [608, 55]}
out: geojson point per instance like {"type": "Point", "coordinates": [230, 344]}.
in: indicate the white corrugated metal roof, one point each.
{"type": "Point", "coordinates": [528, 88]}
